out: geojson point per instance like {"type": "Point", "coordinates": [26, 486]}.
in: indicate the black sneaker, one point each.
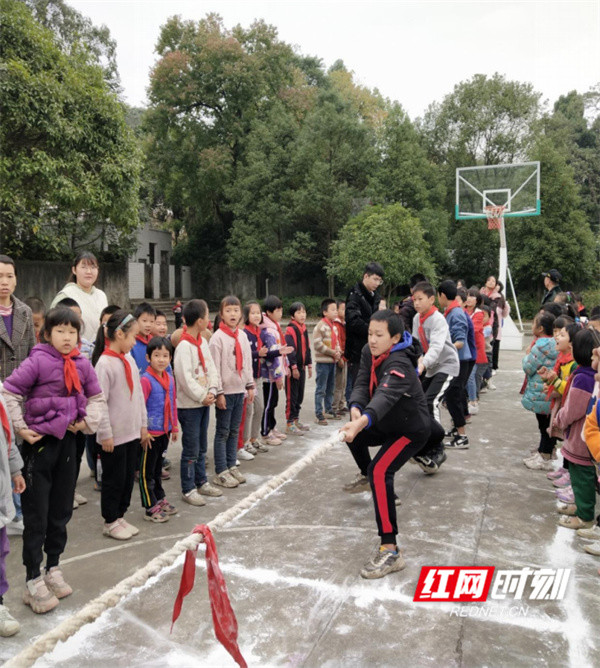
{"type": "Point", "coordinates": [458, 443]}
{"type": "Point", "coordinates": [452, 434]}
{"type": "Point", "coordinates": [439, 457]}
{"type": "Point", "coordinates": [382, 563]}
{"type": "Point", "coordinates": [427, 464]}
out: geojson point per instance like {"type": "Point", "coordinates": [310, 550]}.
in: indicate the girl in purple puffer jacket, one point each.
{"type": "Point", "coordinates": [50, 397]}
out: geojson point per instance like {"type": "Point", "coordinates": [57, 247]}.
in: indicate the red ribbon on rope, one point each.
{"type": "Point", "coordinates": [224, 621]}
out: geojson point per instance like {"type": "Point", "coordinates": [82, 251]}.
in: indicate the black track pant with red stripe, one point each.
{"type": "Point", "coordinates": [395, 451]}
{"type": "Point", "coordinates": [294, 389]}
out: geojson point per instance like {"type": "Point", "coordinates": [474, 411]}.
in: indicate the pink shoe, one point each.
{"type": "Point", "coordinates": [566, 495]}
{"type": "Point", "coordinates": [553, 475]}
{"type": "Point", "coordinates": [563, 481]}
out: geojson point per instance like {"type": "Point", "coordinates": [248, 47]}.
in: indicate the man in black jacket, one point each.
{"type": "Point", "coordinates": [363, 300]}
{"type": "Point", "coordinates": [387, 409]}
{"type": "Point", "coordinates": [551, 283]}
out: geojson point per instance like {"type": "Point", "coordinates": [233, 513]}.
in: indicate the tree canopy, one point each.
{"type": "Point", "coordinates": [259, 159]}
{"type": "Point", "coordinates": [69, 165]}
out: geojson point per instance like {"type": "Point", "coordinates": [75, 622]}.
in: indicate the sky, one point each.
{"type": "Point", "coordinates": [412, 51]}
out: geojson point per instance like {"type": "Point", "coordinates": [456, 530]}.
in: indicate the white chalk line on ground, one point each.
{"type": "Point", "coordinates": [109, 599]}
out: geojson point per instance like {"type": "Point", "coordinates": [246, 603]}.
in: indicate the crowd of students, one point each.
{"type": "Point", "coordinates": [121, 388]}
{"type": "Point", "coordinates": [561, 388]}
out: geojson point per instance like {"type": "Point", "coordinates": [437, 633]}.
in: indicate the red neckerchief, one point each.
{"type": "Point", "coordinates": [334, 336]}
{"type": "Point", "coordinates": [165, 383]}
{"type": "Point", "coordinates": [255, 331]}
{"type": "Point", "coordinates": [563, 358]}
{"type": "Point", "coordinates": [143, 339]}
{"type": "Point", "coordinates": [5, 425]}
{"type": "Point", "coordinates": [302, 330]}
{"type": "Point", "coordinates": [71, 375]}
{"type": "Point", "coordinates": [126, 365]}
{"type": "Point", "coordinates": [234, 334]}
{"type": "Point", "coordinates": [422, 318]}
{"type": "Point", "coordinates": [377, 361]}
{"type": "Point", "coordinates": [451, 306]}
{"type": "Point", "coordinates": [195, 342]}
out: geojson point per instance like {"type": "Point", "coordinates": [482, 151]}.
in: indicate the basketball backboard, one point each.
{"type": "Point", "coordinates": [516, 187]}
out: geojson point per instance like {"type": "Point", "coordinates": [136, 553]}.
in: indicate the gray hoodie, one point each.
{"type": "Point", "coordinates": [442, 356]}
{"type": "Point", "coordinates": [10, 463]}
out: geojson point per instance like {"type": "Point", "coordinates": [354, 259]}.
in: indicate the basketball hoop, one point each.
{"type": "Point", "coordinates": [494, 215]}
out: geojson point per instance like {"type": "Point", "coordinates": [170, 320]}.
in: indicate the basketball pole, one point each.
{"type": "Point", "coordinates": [504, 270]}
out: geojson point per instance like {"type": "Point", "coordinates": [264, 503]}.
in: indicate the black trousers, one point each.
{"type": "Point", "coordinates": [80, 442]}
{"type": "Point", "coordinates": [271, 398]}
{"type": "Point", "coordinates": [47, 502]}
{"type": "Point", "coordinates": [547, 443]}
{"type": "Point", "coordinates": [495, 353]}
{"type": "Point", "coordinates": [353, 368]}
{"type": "Point", "coordinates": [294, 389]}
{"type": "Point", "coordinates": [395, 451]}
{"type": "Point", "coordinates": [151, 489]}
{"type": "Point", "coordinates": [434, 387]}
{"type": "Point", "coordinates": [118, 468]}
{"type": "Point", "coordinates": [455, 395]}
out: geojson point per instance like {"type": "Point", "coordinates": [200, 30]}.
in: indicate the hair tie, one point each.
{"type": "Point", "coordinates": [123, 322]}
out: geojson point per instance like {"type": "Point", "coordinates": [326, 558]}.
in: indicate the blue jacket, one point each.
{"type": "Point", "coordinates": [155, 405]}
{"type": "Point", "coordinates": [543, 353]}
{"type": "Point", "coordinates": [458, 324]}
{"type": "Point", "coordinates": [138, 352]}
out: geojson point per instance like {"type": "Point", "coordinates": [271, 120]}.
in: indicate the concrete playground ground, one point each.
{"type": "Point", "coordinates": [292, 565]}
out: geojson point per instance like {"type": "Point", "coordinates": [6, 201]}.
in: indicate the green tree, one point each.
{"type": "Point", "coordinates": [406, 175]}
{"type": "Point", "coordinates": [485, 121]}
{"type": "Point", "coordinates": [389, 235]}
{"type": "Point", "coordinates": [263, 237]}
{"type": "Point", "coordinates": [208, 88]}
{"type": "Point", "coordinates": [69, 166]}
{"type": "Point", "coordinates": [75, 32]}
{"type": "Point", "coordinates": [574, 128]}
{"type": "Point", "coordinates": [561, 237]}
{"type": "Point", "coordinates": [333, 161]}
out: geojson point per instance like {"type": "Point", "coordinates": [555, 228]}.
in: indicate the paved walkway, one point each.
{"type": "Point", "coordinates": [292, 565]}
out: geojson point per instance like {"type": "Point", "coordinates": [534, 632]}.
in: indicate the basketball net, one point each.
{"type": "Point", "coordinates": [494, 216]}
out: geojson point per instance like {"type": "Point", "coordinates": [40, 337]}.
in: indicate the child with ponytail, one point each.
{"type": "Point", "coordinates": [123, 427]}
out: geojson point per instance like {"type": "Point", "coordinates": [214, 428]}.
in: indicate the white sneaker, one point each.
{"type": "Point", "coordinates": [81, 500]}
{"type": "Point", "coordinates": [132, 530]}
{"type": "Point", "coordinates": [209, 490]}
{"type": "Point", "coordinates": [15, 528]}
{"type": "Point", "coordinates": [193, 498]}
{"type": "Point", "coordinates": [244, 455]}
{"type": "Point", "coordinates": [8, 624]}
{"type": "Point", "coordinates": [225, 479]}
{"type": "Point", "coordinates": [491, 385]}
{"type": "Point", "coordinates": [237, 474]}
{"type": "Point", "coordinates": [593, 533]}
{"type": "Point", "coordinates": [473, 408]}
{"type": "Point", "coordinates": [538, 463]}
{"type": "Point", "coordinates": [594, 548]}
{"type": "Point", "coordinates": [38, 596]}
{"type": "Point", "coordinates": [116, 530]}
{"type": "Point", "coordinates": [55, 582]}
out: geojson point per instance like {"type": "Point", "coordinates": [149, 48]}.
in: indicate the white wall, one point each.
{"type": "Point", "coordinates": [171, 281]}
{"type": "Point", "coordinates": [136, 280]}
{"type": "Point", "coordinates": [186, 282]}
